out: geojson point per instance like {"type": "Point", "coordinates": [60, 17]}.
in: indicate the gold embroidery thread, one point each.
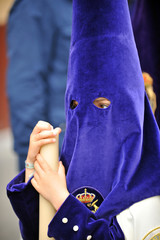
{"type": "Point", "coordinates": [155, 237]}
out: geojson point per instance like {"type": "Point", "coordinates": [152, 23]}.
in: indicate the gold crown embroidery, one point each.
{"type": "Point", "coordinates": [86, 197]}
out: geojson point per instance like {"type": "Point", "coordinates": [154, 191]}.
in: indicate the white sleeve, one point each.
{"type": "Point", "coordinates": [141, 221]}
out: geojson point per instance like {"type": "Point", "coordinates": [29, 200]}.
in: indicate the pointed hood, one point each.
{"type": "Point", "coordinates": [114, 150]}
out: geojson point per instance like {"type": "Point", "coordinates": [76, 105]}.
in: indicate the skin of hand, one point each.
{"type": "Point", "coordinates": [43, 133]}
{"type": "Point", "coordinates": [50, 184]}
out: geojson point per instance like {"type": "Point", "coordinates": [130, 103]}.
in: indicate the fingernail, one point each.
{"type": "Point", "coordinates": [54, 132]}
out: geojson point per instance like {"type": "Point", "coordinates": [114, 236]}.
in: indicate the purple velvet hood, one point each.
{"type": "Point", "coordinates": [116, 150]}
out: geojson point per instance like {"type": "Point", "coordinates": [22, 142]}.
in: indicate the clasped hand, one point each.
{"type": "Point", "coordinates": [50, 184]}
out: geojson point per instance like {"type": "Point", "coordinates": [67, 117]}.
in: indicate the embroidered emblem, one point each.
{"type": "Point", "coordinates": [85, 197]}
{"type": "Point", "coordinates": [153, 235]}
{"type": "Point", "coordinates": [90, 197]}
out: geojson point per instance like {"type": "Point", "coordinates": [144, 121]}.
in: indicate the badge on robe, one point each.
{"type": "Point", "coordinates": [90, 197]}
{"type": "Point", "coordinates": [153, 235]}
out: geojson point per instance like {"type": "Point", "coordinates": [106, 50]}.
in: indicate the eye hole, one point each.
{"type": "Point", "coordinates": [73, 104]}
{"type": "Point", "coordinates": [101, 102]}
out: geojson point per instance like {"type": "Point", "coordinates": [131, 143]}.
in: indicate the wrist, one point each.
{"type": "Point", "coordinates": [58, 202]}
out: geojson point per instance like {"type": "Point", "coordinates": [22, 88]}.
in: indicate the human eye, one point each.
{"type": "Point", "coordinates": [103, 106]}
{"type": "Point", "coordinates": [102, 102]}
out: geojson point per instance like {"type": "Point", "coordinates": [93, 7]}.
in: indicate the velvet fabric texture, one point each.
{"type": "Point", "coordinates": [25, 203]}
{"type": "Point", "coordinates": [114, 150]}
{"type": "Point", "coordinates": [24, 200]}
{"type": "Point", "coordinates": [146, 26]}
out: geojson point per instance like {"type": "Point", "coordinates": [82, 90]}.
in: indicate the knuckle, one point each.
{"type": "Point", "coordinates": [43, 122]}
{"type": "Point", "coordinates": [42, 142]}
{"type": "Point", "coordinates": [38, 136]}
{"type": "Point", "coordinates": [40, 122]}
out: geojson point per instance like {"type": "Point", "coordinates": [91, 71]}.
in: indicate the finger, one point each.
{"type": "Point", "coordinates": [58, 130]}
{"type": "Point", "coordinates": [35, 184]}
{"type": "Point", "coordinates": [38, 169]}
{"type": "Point", "coordinates": [42, 163]}
{"type": "Point", "coordinates": [42, 125]}
{"type": "Point", "coordinates": [36, 176]}
{"type": "Point", "coordinates": [45, 134]}
{"type": "Point", "coordinates": [45, 141]}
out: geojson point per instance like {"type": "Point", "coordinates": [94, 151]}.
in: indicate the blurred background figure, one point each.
{"type": "Point", "coordinates": [38, 44]}
{"type": "Point", "coordinates": [8, 160]}
{"type": "Point", "coordinates": [146, 25]}
{"type": "Point", "coordinates": [38, 37]}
